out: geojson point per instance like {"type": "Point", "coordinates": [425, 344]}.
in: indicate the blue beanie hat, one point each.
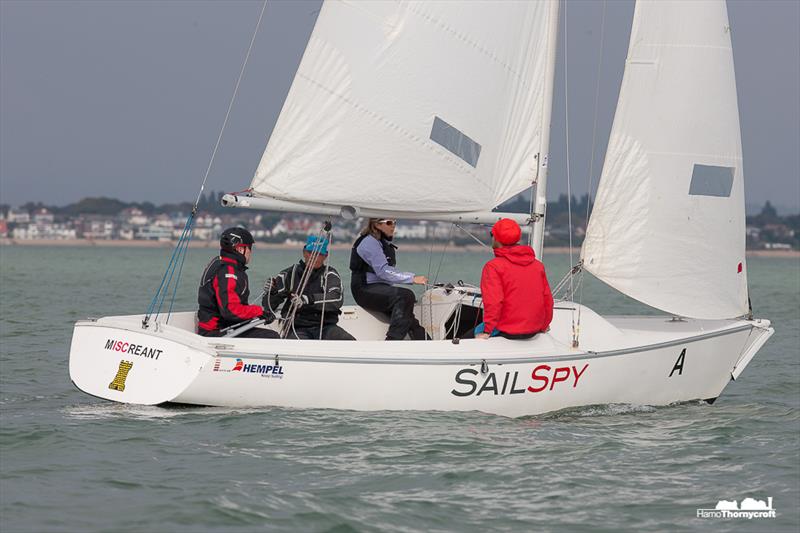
{"type": "Point", "coordinates": [316, 243]}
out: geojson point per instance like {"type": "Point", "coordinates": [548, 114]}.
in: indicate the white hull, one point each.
{"type": "Point", "coordinates": [633, 360]}
{"type": "Point", "coordinates": [371, 98]}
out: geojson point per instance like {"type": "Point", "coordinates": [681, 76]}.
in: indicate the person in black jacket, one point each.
{"type": "Point", "coordinates": [223, 293]}
{"type": "Point", "coordinates": [318, 305]}
{"type": "Point", "coordinates": [373, 265]}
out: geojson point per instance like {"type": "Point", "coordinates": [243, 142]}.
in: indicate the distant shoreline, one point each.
{"type": "Point", "coordinates": [410, 247]}
{"type": "Point", "coordinates": [120, 243]}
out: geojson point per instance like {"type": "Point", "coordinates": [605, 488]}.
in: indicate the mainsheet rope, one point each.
{"type": "Point", "coordinates": [325, 283]}
{"type": "Point", "coordinates": [178, 257]}
{"type": "Point", "coordinates": [288, 324]}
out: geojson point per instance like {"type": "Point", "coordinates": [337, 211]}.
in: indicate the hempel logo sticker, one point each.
{"type": "Point", "coordinates": [265, 371]}
{"type": "Point", "coordinates": [118, 383]}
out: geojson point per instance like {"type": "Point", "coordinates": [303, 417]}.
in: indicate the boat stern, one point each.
{"type": "Point", "coordinates": [121, 363]}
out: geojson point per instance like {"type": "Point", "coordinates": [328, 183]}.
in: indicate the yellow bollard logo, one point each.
{"type": "Point", "coordinates": [118, 382]}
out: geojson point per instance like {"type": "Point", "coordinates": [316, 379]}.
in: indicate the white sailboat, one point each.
{"type": "Point", "coordinates": [441, 111]}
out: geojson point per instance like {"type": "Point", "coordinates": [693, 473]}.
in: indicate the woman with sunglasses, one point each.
{"type": "Point", "coordinates": [373, 263]}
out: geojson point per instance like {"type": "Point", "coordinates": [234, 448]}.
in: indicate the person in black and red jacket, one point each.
{"type": "Point", "coordinates": [223, 293]}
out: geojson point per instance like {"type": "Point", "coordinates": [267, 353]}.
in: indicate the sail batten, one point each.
{"type": "Point", "coordinates": [668, 225]}
{"type": "Point", "coordinates": [414, 106]}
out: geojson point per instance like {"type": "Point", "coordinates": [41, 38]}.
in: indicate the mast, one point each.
{"type": "Point", "coordinates": [539, 190]}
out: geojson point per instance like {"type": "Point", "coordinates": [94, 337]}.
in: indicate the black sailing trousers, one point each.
{"type": "Point", "coordinates": [255, 333]}
{"type": "Point", "coordinates": [396, 302]}
{"type": "Point", "coordinates": [331, 332]}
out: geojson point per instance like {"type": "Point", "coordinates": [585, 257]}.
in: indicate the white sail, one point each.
{"type": "Point", "coordinates": [668, 223]}
{"type": "Point", "coordinates": [415, 107]}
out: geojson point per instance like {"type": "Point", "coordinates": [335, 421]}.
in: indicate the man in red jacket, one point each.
{"type": "Point", "coordinates": [517, 303]}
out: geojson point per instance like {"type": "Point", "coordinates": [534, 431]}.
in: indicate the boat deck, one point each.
{"type": "Point", "coordinates": [597, 335]}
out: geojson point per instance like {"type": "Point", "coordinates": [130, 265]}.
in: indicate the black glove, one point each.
{"type": "Point", "coordinates": [268, 317]}
{"type": "Point", "coordinates": [299, 300]}
{"type": "Point", "coordinates": [271, 286]}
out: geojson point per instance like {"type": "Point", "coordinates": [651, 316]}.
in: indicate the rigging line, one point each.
{"type": "Point", "coordinates": [325, 284]}
{"type": "Point", "coordinates": [301, 287]}
{"type": "Point", "coordinates": [569, 183]}
{"type": "Point", "coordinates": [594, 143]}
{"type": "Point", "coordinates": [561, 284]}
{"type": "Point", "coordinates": [153, 302]}
{"type": "Point", "coordinates": [179, 253]}
{"type": "Point", "coordinates": [438, 269]}
{"type": "Point", "coordinates": [534, 186]}
{"type": "Point", "coordinates": [188, 238]}
{"type": "Point", "coordinates": [230, 104]}
{"type": "Point", "coordinates": [566, 137]}
{"type": "Point", "coordinates": [430, 268]}
{"type": "Point", "coordinates": [179, 256]}
{"type": "Point", "coordinates": [265, 292]}
{"type": "Point", "coordinates": [324, 232]}
{"type": "Point", "coordinates": [530, 210]}
{"type": "Point", "coordinates": [596, 104]}
{"type": "Point", "coordinates": [444, 250]}
{"type": "Point", "coordinates": [166, 279]}
{"type": "Point", "coordinates": [171, 270]}
{"type": "Point", "coordinates": [476, 239]}
{"type": "Point", "coordinates": [430, 254]}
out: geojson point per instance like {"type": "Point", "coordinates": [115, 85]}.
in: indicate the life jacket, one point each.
{"type": "Point", "coordinates": [223, 293]}
{"type": "Point", "coordinates": [359, 267]}
{"type": "Point", "coordinates": [309, 315]}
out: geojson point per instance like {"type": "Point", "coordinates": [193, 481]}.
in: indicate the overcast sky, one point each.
{"type": "Point", "coordinates": [125, 98]}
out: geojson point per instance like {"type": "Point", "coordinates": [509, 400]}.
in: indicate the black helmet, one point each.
{"type": "Point", "coordinates": [233, 237]}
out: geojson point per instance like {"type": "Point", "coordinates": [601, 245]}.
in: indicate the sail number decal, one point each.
{"type": "Point", "coordinates": [678, 366]}
{"type": "Point", "coordinates": [543, 378]}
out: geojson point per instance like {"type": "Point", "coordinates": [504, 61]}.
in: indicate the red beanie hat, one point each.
{"type": "Point", "coordinates": [506, 232]}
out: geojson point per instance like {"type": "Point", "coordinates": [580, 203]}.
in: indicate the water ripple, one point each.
{"type": "Point", "coordinates": [69, 462]}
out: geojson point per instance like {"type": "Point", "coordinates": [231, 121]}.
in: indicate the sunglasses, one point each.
{"type": "Point", "coordinates": [388, 222]}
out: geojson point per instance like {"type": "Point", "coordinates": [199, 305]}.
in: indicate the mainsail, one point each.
{"type": "Point", "coordinates": [415, 107]}
{"type": "Point", "coordinates": [668, 223]}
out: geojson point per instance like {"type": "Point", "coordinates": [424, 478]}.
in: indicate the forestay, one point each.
{"type": "Point", "coordinates": [668, 223]}
{"type": "Point", "coordinates": [414, 107]}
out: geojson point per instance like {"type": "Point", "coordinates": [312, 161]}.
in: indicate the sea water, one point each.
{"type": "Point", "coordinates": [70, 462]}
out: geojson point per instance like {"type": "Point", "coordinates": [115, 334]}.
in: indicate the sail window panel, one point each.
{"type": "Point", "coordinates": [708, 180]}
{"type": "Point", "coordinates": [455, 141]}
